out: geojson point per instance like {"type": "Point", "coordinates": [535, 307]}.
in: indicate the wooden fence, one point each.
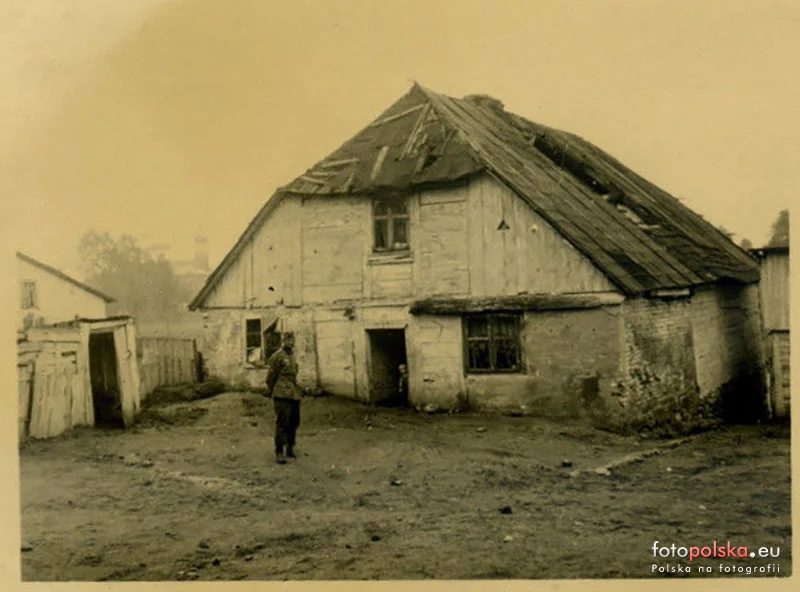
{"type": "Point", "coordinates": [164, 361]}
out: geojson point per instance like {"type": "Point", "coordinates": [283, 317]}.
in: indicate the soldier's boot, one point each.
{"type": "Point", "coordinates": [279, 457]}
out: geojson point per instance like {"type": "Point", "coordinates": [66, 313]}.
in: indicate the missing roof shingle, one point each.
{"type": "Point", "coordinates": [558, 154]}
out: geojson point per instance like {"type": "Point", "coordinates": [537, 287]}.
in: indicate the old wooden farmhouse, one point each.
{"type": "Point", "coordinates": [509, 265]}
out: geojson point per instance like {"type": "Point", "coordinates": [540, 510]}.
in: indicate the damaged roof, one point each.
{"type": "Point", "coordinates": [639, 235]}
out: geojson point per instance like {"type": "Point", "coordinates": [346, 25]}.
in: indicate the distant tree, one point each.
{"type": "Point", "coordinates": [142, 285]}
{"type": "Point", "coordinates": [746, 244]}
{"type": "Point", "coordinates": [780, 231]}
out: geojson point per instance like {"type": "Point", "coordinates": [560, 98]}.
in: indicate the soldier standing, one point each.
{"type": "Point", "coordinates": [282, 387]}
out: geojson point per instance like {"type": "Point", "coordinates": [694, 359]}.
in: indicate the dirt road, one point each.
{"type": "Point", "coordinates": [193, 493]}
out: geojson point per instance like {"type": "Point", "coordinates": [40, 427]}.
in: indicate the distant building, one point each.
{"type": "Point", "coordinates": [774, 291]}
{"type": "Point", "coordinates": [191, 273]}
{"type": "Point", "coordinates": [198, 263]}
{"type": "Point", "coordinates": [76, 366]}
{"type": "Point", "coordinates": [48, 296]}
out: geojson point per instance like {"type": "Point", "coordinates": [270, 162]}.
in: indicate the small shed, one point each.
{"type": "Point", "coordinates": [77, 373]}
{"type": "Point", "coordinates": [774, 291]}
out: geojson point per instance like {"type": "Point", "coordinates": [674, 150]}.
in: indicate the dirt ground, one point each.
{"type": "Point", "coordinates": [193, 492]}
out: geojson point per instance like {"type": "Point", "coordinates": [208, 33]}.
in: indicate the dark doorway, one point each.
{"type": "Point", "coordinates": [105, 382]}
{"type": "Point", "coordinates": [387, 352]}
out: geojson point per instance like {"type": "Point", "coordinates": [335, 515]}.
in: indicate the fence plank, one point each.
{"type": "Point", "coordinates": [165, 361]}
{"type": "Point", "coordinates": [25, 386]}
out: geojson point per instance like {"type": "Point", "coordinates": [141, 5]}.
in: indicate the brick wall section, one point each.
{"type": "Point", "coordinates": [658, 369]}
{"type": "Point", "coordinates": [569, 359]}
{"type": "Point", "coordinates": [684, 357]}
{"type": "Point", "coordinates": [725, 323]}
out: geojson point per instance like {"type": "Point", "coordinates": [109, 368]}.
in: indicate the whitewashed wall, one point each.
{"type": "Point", "coordinates": [57, 299]}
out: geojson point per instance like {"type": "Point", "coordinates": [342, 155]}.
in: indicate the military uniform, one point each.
{"type": "Point", "coordinates": [282, 387]}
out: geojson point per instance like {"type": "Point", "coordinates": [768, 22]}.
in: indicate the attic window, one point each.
{"type": "Point", "coordinates": [390, 223]}
{"type": "Point", "coordinates": [29, 295]}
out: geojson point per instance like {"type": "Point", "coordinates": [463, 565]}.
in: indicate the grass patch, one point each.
{"type": "Point", "coordinates": [184, 393]}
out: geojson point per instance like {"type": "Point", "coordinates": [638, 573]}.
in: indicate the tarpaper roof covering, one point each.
{"type": "Point", "coordinates": [640, 236]}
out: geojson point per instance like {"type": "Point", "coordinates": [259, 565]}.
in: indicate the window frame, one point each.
{"type": "Point", "coordinates": [247, 334]}
{"type": "Point", "coordinates": [389, 219]}
{"type": "Point", "coordinates": [31, 303]}
{"type": "Point", "coordinates": [492, 321]}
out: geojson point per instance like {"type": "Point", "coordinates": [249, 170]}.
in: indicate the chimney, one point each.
{"type": "Point", "coordinates": [486, 101]}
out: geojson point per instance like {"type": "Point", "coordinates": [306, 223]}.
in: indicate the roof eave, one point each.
{"type": "Point", "coordinates": [63, 276]}
{"type": "Point", "coordinates": [216, 276]}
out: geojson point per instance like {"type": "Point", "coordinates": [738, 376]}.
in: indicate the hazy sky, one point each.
{"type": "Point", "coordinates": [170, 118]}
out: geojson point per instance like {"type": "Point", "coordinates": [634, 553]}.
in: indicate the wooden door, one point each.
{"type": "Point", "coordinates": [128, 394]}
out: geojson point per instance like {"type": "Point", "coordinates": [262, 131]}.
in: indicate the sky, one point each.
{"type": "Point", "coordinates": [168, 119]}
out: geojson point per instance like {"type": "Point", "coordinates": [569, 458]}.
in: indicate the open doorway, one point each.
{"type": "Point", "coordinates": [106, 396]}
{"type": "Point", "coordinates": [387, 353]}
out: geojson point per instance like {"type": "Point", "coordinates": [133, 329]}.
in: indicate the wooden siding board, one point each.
{"type": "Point", "coordinates": [333, 249]}
{"type": "Point", "coordinates": [475, 239]}
{"type": "Point", "coordinates": [531, 261]}
{"type": "Point", "coordinates": [54, 379]}
{"type": "Point", "coordinates": [775, 292]}
{"type": "Point", "coordinates": [25, 372]}
{"type": "Point", "coordinates": [442, 245]}
{"type": "Point", "coordinates": [268, 259]}
{"type": "Point", "coordinates": [125, 375]}
{"type": "Point", "coordinates": [389, 281]}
